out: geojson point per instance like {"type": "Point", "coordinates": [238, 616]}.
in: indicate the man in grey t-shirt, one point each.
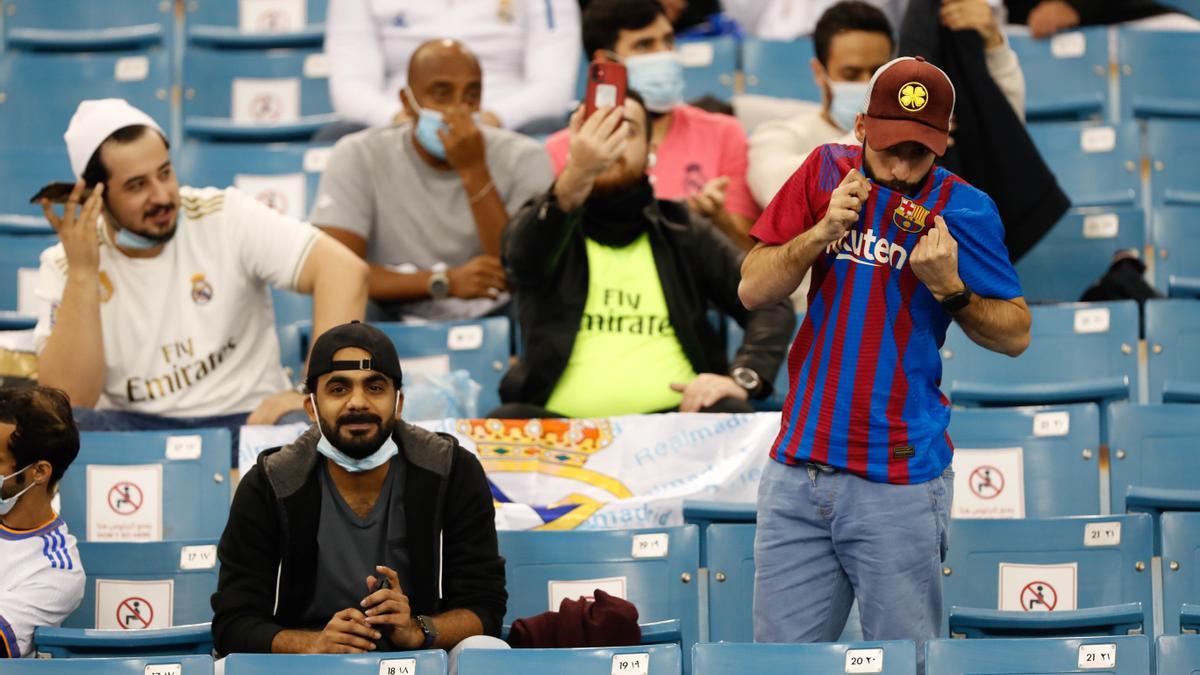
{"type": "Point", "coordinates": [425, 201]}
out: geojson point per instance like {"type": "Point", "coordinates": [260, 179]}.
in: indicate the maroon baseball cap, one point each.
{"type": "Point", "coordinates": [909, 99]}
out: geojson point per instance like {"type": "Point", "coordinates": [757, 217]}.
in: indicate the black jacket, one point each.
{"type": "Point", "coordinates": [1092, 12]}
{"type": "Point", "coordinates": [546, 260]}
{"type": "Point", "coordinates": [270, 541]}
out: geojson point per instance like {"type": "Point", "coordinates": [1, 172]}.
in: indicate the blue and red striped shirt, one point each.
{"type": "Point", "coordinates": [864, 369]}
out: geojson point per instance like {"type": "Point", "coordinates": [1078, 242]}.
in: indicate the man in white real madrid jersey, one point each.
{"type": "Point", "coordinates": [155, 307]}
{"type": "Point", "coordinates": [41, 576]}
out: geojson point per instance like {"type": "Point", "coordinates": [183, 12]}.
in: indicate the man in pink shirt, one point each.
{"type": "Point", "coordinates": [697, 156]}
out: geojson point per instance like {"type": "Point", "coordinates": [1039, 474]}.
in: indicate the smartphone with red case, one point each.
{"type": "Point", "coordinates": [605, 87]}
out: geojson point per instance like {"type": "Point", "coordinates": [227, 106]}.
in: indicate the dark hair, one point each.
{"type": "Point", "coordinates": [846, 16]}
{"type": "Point", "coordinates": [95, 172]}
{"type": "Point", "coordinates": [603, 21]}
{"type": "Point", "coordinates": [45, 428]}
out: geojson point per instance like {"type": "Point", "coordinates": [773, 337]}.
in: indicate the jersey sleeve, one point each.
{"type": "Point", "coordinates": [983, 260]}
{"type": "Point", "coordinates": [791, 212]}
{"type": "Point", "coordinates": [271, 246]}
{"type": "Point", "coordinates": [51, 283]}
{"type": "Point", "coordinates": [45, 599]}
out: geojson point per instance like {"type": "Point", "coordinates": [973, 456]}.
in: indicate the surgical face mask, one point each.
{"type": "Point", "coordinates": [847, 102]}
{"type": "Point", "coordinates": [8, 503]}
{"type": "Point", "coordinates": [658, 77]}
{"type": "Point", "coordinates": [135, 241]}
{"type": "Point", "coordinates": [429, 123]}
{"type": "Point", "coordinates": [385, 452]}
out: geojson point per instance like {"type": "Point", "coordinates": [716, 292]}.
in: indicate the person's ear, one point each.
{"type": "Point", "coordinates": [42, 471]}
{"type": "Point", "coordinates": [821, 77]}
{"type": "Point", "coordinates": [399, 403]}
{"type": "Point", "coordinates": [860, 129]}
{"type": "Point", "coordinates": [310, 406]}
{"type": "Point", "coordinates": [406, 103]}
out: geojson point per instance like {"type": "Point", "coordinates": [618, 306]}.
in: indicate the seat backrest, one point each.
{"type": "Point", "coordinates": [19, 262]}
{"type": "Point", "coordinates": [282, 175]}
{"type": "Point", "coordinates": [1172, 146]}
{"type": "Point", "coordinates": [730, 582]}
{"type": "Point", "coordinates": [148, 485]}
{"type": "Point", "coordinates": [1152, 446]}
{"type": "Point", "coordinates": [154, 665]}
{"type": "Point", "coordinates": [71, 25]}
{"type": "Point", "coordinates": [255, 25]}
{"type": "Point", "coordinates": [1178, 654]}
{"type": "Point", "coordinates": [1036, 462]}
{"type": "Point", "coordinates": [1129, 654]}
{"type": "Point", "coordinates": [1181, 566]}
{"type": "Point", "coordinates": [131, 586]}
{"type": "Point", "coordinates": [1172, 333]}
{"type": "Point", "coordinates": [1152, 64]}
{"type": "Point", "coordinates": [780, 68]}
{"type": "Point", "coordinates": [1077, 250]}
{"type": "Point", "coordinates": [708, 67]}
{"type": "Point", "coordinates": [1051, 564]}
{"type": "Point", "coordinates": [1096, 164]}
{"type": "Point", "coordinates": [1066, 77]}
{"type": "Point", "coordinates": [429, 661]}
{"type": "Point", "coordinates": [1177, 249]}
{"type": "Point", "coordinates": [649, 659]}
{"type": "Point", "coordinates": [897, 657]}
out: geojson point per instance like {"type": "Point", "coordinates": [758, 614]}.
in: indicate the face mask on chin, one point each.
{"type": "Point", "coordinates": [128, 239]}
{"type": "Point", "coordinates": [386, 450]}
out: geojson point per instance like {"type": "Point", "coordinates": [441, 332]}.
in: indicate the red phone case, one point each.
{"type": "Point", "coordinates": [605, 86]}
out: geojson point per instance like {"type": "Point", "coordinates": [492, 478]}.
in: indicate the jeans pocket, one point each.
{"type": "Point", "coordinates": [939, 503]}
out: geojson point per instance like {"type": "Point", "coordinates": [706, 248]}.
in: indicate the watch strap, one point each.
{"type": "Point", "coordinates": [426, 624]}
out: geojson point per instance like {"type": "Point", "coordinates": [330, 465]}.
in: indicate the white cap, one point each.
{"type": "Point", "coordinates": [94, 121]}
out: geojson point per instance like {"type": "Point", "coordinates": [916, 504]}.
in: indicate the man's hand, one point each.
{"type": "Point", "coordinates": [481, 277]}
{"type": "Point", "coordinates": [77, 229]}
{"type": "Point", "coordinates": [845, 204]}
{"type": "Point", "coordinates": [275, 406]}
{"type": "Point", "coordinates": [1050, 17]}
{"type": "Point", "coordinates": [935, 261]}
{"type": "Point", "coordinates": [596, 144]}
{"type": "Point", "coordinates": [346, 633]}
{"type": "Point", "coordinates": [463, 139]}
{"type": "Point", "coordinates": [973, 15]}
{"type": "Point", "coordinates": [491, 119]}
{"type": "Point", "coordinates": [706, 390]}
{"type": "Point", "coordinates": [710, 200]}
{"type": "Point", "coordinates": [387, 610]}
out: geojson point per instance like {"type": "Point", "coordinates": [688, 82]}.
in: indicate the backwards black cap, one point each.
{"type": "Point", "coordinates": [354, 334]}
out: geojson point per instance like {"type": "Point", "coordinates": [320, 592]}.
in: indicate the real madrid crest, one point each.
{"type": "Point", "coordinates": [202, 291]}
{"type": "Point", "coordinates": [505, 12]}
{"type": "Point", "coordinates": [910, 216]}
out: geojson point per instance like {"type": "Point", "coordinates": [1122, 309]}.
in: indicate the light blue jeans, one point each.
{"type": "Point", "coordinates": [826, 537]}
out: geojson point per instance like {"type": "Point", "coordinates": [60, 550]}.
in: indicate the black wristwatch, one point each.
{"type": "Point", "coordinates": [956, 302]}
{"type": "Point", "coordinates": [428, 629]}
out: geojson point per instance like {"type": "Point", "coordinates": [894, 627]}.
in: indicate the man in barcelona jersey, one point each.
{"type": "Point", "coordinates": [856, 502]}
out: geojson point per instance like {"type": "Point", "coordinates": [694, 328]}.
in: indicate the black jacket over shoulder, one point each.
{"type": "Point", "coordinates": [545, 256]}
{"type": "Point", "coordinates": [268, 551]}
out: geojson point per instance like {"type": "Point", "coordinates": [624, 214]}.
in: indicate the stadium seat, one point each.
{"type": "Point", "coordinates": [708, 67]}
{"type": "Point", "coordinates": [1017, 578]}
{"type": "Point", "coordinates": [31, 118]}
{"type": "Point", "coordinates": [179, 478]}
{"type": "Point", "coordinates": [248, 25]}
{"type": "Point", "coordinates": [648, 659]}
{"type": "Point", "coordinates": [1059, 460]}
{"type": "Point", "coordinates": [145, 598]}
{"type": "Point", "coordinates": [704, 513]}
{"type": "Point", "coordinates": [250, 95]}
{"type": "Point", "coordinates": [1095, 164]}
{"type": "Point", "coordinates": [733, 341]}
{"type": "Point", "coordinates": [81, 26]}
{"type": "Point", "coordinates": [1177, 263]}
{"type": "Point", "coordinates": [153, 665]}
{"type": "Point", "coordinates": [1173, 146]}
{"type": "Point", "coordinates": [22, 173]}
{"type": "Point", "coordinates": [425, 662]}
{"type": "Point", "coordinates": [1066, 77]}
{"type": "Point", "coordinates": [655, 569]}
{"type": "Point", "coordinates": [1152, 66]}
{"type": "Point", "coordinates": [1077, 251]}
{"type": "Point", "coordinates": [1178, 654]}
{"type": "Point", "coordinates": [283, 175]}
{"type": "Point", "coordinates": [19, 262]}
{"type": "Point", "coordinates": [1189, 618]}
{"type": "Point", "coordinates": [1181, 566]}
{"type": "Point", "coordinates": [1130, 655]}
{"type": "Point", "coordinates": [1172, 333]}
{"type": "Point", "coordinates": [890, 658]}
{"type": "Point", "coordinates": [730, 582]}
{"type": "Point", "coordinates": [780, 68]}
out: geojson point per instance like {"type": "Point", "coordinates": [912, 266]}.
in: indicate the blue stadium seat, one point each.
{"type": "Point", "coordinates": [730, 582]}
{"type": "Point", "coordinates": [195, 471]}
{"type": "Point", "coordinates": [709, 65]}
{"type": "Point", "coordinates": [1103, 174]}
{"type": "Point", "coordinates": [662, 580]}
{"type": "Point", "coordinates": [20, 252]}
{"type": "Point", "coordinates": [72, 25]}
{"type": "Point", "coordinates": [188, 665]}
{"type": "Point", "coordinates": [204, 164]}
{"type": "Point", "coordinates": [1172, 146]}
{"type": "Point", "coordinates": [704, 513]}
{"type": "Point", "coordinates": [780, 68]}
{"type": "Point", "coordinates": [152, 565]}
{"type": "Point", "coordinates": [651, 659]}
{"type": "Point", "coordinates": [31, 118]}
{"type": "Point", "coordinates": [1189, 618]}
{"type": "Point", "coordinates": [1071, 358]}
{"type": "Point", "coordinates": [890, 658]}
{"type": "Point", "coordinates": [1178, 654]}
{"type": "Point", "coordinates": [1077, 251]}
{"type": "Point", "coordinates": [1112, 577]}
{"type": "Point", "coordinates": [1043, 655]}
{"type": "Point", "coordinates": [1061, 472]}
{"type": "Point", "coordinates": [220, 23]}
{"type": "Point", "coordinates": [1065, 84]}
{"type": "Point", "coordinates": [1181, 566]}
{"type": "Point", "coordinates": [1172, 332]}
{"type": "Point", "coordinates": [1154, 462]}
{"type": "Point", "coordinates": [277, 82]}
{"type": "Point", "coordinates": [1177, 263]}
{"type": "Point", "coordinates": [733, 341]}
{"type": "Point", "coordinates": [1152, 66]}
{"type": "Point", "coordinates": [425, 662]}
{"type": "Point", "coordinates": [22, 173]}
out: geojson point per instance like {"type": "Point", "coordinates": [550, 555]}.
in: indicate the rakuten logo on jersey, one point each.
{"type": "Point", "coordinates": [866, 248]}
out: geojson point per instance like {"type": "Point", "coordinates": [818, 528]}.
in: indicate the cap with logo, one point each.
{"type": "Point", "coordinates": [368, 338]}
{"type": "Point", "coordinates": [909, 99]}
{"type": "Point", "coordinates": [94, 121]}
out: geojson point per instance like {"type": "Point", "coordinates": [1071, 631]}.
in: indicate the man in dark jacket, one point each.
{"type": "Point", "coordinates": [362, 498]}
{"type": "Point", "coordinates": [613, 290]}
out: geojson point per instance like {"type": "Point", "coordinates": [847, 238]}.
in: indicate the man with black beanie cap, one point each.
{"type": "Point", "coordinates": [366, 533]}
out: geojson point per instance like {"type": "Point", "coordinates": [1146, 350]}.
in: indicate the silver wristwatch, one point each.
{"type": "Point", "coordinates": [439, 282]}
{"type": "Point", "coordinates": [746, 378]}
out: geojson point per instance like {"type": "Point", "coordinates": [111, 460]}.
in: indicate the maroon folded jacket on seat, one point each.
{"type": "Point", "coordinates": [606, 622]}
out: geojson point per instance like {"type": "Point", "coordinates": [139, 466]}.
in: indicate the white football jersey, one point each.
{"type": "Point", "coordinates": [41, 585]}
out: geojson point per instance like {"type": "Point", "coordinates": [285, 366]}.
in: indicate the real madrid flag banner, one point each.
{"type": "Point", "coordinates": [608, 473]}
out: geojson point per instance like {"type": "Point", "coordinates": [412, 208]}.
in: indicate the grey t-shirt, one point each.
{"type": "Point", "coordinates": [349, 547]}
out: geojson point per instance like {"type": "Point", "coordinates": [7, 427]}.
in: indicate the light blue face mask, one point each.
{"type": "Point", "coordinates": [388, 450]}
{"type": "Point", "coordinates": [658, 77]}
{"type": "Point", "coordinates": [429, 123]}
{"type": "Point", "coordinates": [847, 102]}
{"type": "Point", "coordinates": [135, 241]}
{"type": "Point", "coordinates": [8, 503]}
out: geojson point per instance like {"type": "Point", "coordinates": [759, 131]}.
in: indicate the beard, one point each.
{"type": "Point", "coordinates": [149, 230]}
{"type": "Point", "coordinates": [358, 444]}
